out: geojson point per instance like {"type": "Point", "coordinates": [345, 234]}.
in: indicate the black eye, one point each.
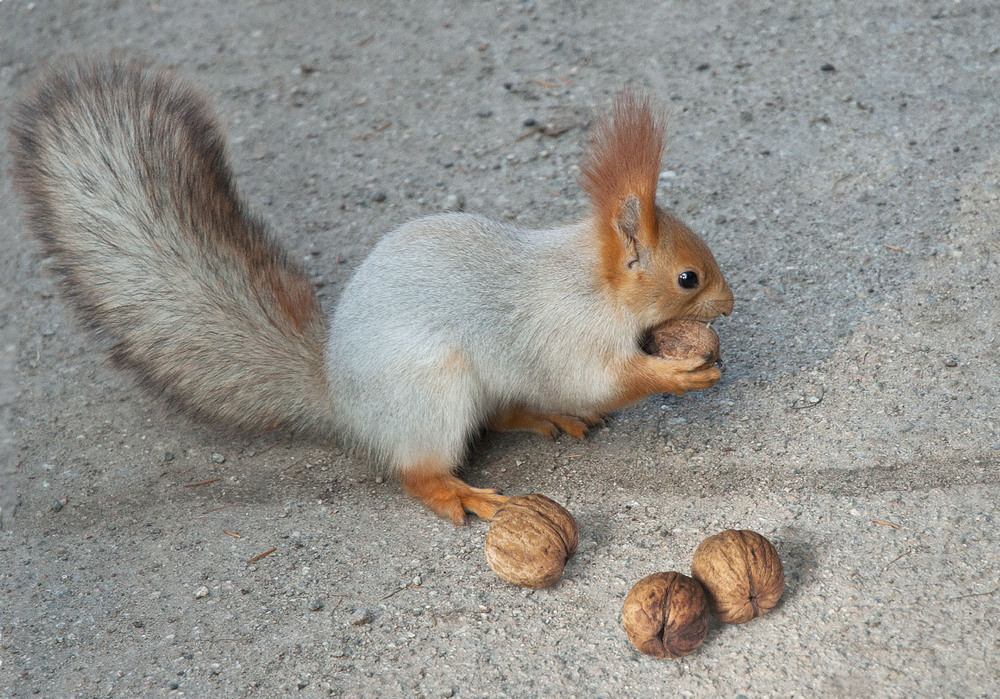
{"type": "Point", "coordinates": [688, 279]}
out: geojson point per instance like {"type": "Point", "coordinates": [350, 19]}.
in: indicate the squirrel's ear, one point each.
{"type": "Point", "coordinates": [629, 227]}
{"type": "Point", "coordinates": [621, 174]}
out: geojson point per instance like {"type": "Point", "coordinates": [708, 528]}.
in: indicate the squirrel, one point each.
{"type": "Point", "coordinates": [452, 324]}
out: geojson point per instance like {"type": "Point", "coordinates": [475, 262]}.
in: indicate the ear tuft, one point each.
{"type": "Point", "coordinates": [625, 155]}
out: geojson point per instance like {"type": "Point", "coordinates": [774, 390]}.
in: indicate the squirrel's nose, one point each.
{"type": "Point", "coordinates": [725, 302]}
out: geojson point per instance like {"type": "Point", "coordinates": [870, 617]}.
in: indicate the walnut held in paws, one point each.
{"type": "Point", "coordinates": [665, 615]}
{"type": "Point", "coordinates": [741, 573]}
{"type": "Point", "coordinates": [684, 339]}
{"type": "Point", "coordinates": [530, 540]}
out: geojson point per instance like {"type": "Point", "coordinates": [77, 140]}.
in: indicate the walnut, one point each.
{"type": "Point", "coordinates": [665, 615]}
{"type": "Point", "coordinates": [530, 540]}
{"type": "Point", "coordinates": [741, 573]}
{"type": "Point", "coordinates": [684, 339]}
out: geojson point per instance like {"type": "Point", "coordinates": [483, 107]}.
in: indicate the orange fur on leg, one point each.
{"type": "Point", "coordinates": [521, 417]}
{"type": "Point", "coordinates": [447, 495]}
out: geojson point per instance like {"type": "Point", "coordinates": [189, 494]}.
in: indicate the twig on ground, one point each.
{"type": "Point", "coordinates": [885, 524]}
{"type": "Point", "coordinates": [259, 556]}
{"type": "Point", "coordinates": [205, 482]}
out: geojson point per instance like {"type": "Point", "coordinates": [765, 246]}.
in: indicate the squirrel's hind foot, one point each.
{"type": "Point", "coordinates": [521, 417]}
{"type": "Point", "coordinates": [449, 496]}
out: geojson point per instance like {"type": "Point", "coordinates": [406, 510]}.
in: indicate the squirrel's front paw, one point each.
{"type": "Point", "coordinates": [682, 375]}
{"type": "Point", "coordinates": [692, 374]}
{"type": "Point", "coordinates": [644, 375]}
{"type": "Point", "coordinates": [702, 377]}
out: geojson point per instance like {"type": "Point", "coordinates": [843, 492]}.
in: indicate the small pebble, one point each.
{"type": "Point", "coordinates": [315, 605]}
{"type": "Point", "coordinates": [827, 68]}
{"type": "Point", "coordinates": [168, 456]}
{"type": "Point", "coordinates": [379, 197]}
{"type": "Point", "coordinates": [218, 458]}
{"type": "Point", "coordinates": [202, 591]}
{"type": "Point", "coordinates": [360, 618]}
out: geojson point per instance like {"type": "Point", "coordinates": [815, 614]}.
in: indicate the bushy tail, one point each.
{"type": "Point", "coordinates": [123, 176]}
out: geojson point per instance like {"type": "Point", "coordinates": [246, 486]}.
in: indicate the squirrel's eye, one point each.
{"type": "Point", "coordinates": [688, 279]}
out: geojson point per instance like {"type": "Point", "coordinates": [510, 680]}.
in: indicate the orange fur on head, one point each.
{"type": "Point", "coordinates": [625, 155]}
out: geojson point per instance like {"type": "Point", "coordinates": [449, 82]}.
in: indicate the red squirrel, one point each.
{"type": "Point", "coordinates": [452, 324]}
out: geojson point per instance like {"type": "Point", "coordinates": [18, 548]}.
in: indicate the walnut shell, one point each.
{"type": "Point", "coordinates": [530, 540]}
{"type": "Point", "coordinates": [741, 573]}
{"type": "Point", "coordinates": [665, 615]}
{"type": "Point", "coordinates": [684, 339]}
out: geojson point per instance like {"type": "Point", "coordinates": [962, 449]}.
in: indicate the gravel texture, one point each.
{"type": "Point", "coordinates": [841, 159]}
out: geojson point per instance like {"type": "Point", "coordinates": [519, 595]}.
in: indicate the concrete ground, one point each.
{"type": "Point", "coordinates": [842, 161]}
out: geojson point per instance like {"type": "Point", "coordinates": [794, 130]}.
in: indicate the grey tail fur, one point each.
{"type": "Point", "coordinates": [123, 176]}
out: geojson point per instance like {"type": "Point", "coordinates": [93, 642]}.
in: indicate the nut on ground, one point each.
{"type": "Point", "coordinates": [530, 540]}
{"type": "Point", "coordinates": [741, 573]}
{"type": "Point", "coordinates": [665, 615]}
